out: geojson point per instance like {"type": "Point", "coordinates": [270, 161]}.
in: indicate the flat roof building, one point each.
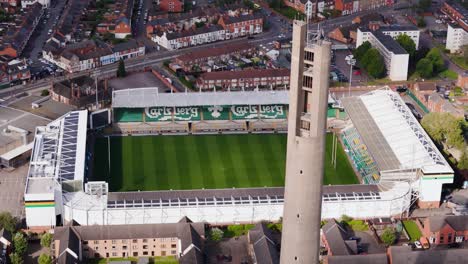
{"type": "Point", "coordinates": [383, 39]}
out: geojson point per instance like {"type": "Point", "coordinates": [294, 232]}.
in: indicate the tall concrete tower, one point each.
{"type": "Point", "coordinates": [308, 98]}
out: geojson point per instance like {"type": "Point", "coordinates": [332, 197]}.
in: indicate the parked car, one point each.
{"type": "Point", "coordinates": [418, 244]}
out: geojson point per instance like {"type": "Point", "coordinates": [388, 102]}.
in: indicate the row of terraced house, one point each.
{"type": "Point", "coordinates": [346, 7]}
{"type": "Point", "coordinates": [227, 27]}
{"type": "Point", "coordinates": [89, 54]}
{"type": "Point", "coordinates": [18, 32]}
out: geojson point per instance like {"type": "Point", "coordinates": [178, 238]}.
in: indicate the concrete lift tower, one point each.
{"type": "Point", "coordinates": [308, 99]}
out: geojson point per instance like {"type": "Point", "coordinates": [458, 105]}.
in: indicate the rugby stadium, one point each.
{"type": "Point", "coordinates": [219, 157]}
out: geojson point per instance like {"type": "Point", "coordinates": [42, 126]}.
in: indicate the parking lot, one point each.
{"type": "Point", "coordinates": [12, 185]}
{"type": "Point", "coordinates": [138, 80]}
{"type": "Point", "coordinates": [342, 68]}
{"type": "Point", "coordinates": [49, 109]}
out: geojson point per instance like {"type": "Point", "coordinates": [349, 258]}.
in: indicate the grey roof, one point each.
{"type": "Point", "coordinates": [389, 43]}
{"type": "Point", "coordinates": [459, 222]}
{"type": "Point", "coordinates": [192, 257]}
{"type": "Point", "coordinates": [359, 259]}
{"type": "Point", "coordinates": [68, 239]}
{"type": "Point", "coordinates": [130, 44]}
{"type": "Point", "coordinates": [188, 233]}
{"type": "Point", "coordinates": [150, 97]}
{"type": "Point", "coordinates": [371, 134]}
{"type": "Point", "coordinates": [337, 239]}
{"type": "Point", "coordinates": [399, 28]}
{"type": "Point", "coordinates": [404, 254]}
{"type": "Point", "coordinates": [241, 18]}
{"type": "Point", "coordinates": [264, 247]}
{"type": "Point", "coordinates": [238, 192]}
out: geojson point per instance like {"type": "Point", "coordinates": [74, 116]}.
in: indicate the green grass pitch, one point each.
{"type": "Point", "coordinates": [149, 163]}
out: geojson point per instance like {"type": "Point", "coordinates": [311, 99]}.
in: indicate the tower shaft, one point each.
{"type": "Point", "coordinates": [308, 100]}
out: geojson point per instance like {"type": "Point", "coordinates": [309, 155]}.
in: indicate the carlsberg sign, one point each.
{"type": "Point", "coordinates": [167, 113]}
{"type": "Point", "coordinates": [255, 111]}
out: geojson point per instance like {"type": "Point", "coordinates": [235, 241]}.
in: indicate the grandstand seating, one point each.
{"type": "Point", "coordinates": [362, 161]}
{"type": "Point", "coordinates": [155, 120]}
{"type": "Point", "coordinates": [262, 125]}
{"type": "Point", "coordinates": [214, 126]}
{"type": "Point", "coordinates": [128, 115]}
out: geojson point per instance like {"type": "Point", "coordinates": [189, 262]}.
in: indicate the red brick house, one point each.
{"type": "Point", "coordinates": [445, 229]}
{"type": "Point", "coordinates": [347, 6]}
{"type": "Point", "coordinates": [190, 59]}
{"type": "Point", "coordinates": [422, 90]}
{"type": "Point", "coordinates": [243, 79]}
{"type": "Point", "coordinates": [299, 5]}
{"type": "Point", "coordinates": [242, 25]}
{"type": "Point", "coordinates": [171, 5]}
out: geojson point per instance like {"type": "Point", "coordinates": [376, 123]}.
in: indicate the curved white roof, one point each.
{"type": "Point", "coordinates": [394, 137]}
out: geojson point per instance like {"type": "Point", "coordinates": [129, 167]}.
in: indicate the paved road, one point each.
{"type": "Point", "coordinates": [37, 40]}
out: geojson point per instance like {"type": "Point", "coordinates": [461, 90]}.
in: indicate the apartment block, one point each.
{"type": "Point", "coordinates": [383, 39]}
{"type": "Point", "coordinates": [456, 38]}
{"type": "Point", "coordinates": [183, 240]}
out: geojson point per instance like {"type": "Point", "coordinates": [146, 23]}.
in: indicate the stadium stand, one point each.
{"type": "Point", "coordinates": [198, 113]}
{"type": "Point", "coordinates": [362, 160]}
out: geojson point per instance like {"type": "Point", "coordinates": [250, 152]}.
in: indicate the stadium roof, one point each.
{"type": "Point", "coordinates": [150, 97]}
{"type": "Point", "coordinates": [59, 149]}
{"type": "Point", "coordinates": [392, 134]}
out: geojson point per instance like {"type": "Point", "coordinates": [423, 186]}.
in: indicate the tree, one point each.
{"type": "Point", "coordinates": [16, 258]}
{"type": "Point", "coordinates": [361, 50]}
{"type": "Point", "coordinates": [388, 236]}
{"type": "Point", "coordinates": [121, 72]}
{"type": "Point", "coordinates": [46, 240]}
{"type": "Point", "coordinates": [445, 128]}
{"type": "Point", "coordinates": [369, 56]}
{"type": "Point", "coordinates": [376, 67]}
{"type": "Point", "coordinates": [424, 68]}
{"type": "Point", "coordinates": [45, 92]}
{"type": "Point", "coordinates": [408, 44]}
{"type": "Point", "coordinates": [216, 234]}
{"type": "Point", "coordinates": [463, 162]}
{"type": "Point", "coordinates": [345, 219]}
{"type": "Point", "coordinates": [44, 259]}
{"type": "Point", "coordinates": [20, 243]}
{"type": "Point", "coordinates": [8, 222]}
{"type": "Point", "coordinates": [437, 60]}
